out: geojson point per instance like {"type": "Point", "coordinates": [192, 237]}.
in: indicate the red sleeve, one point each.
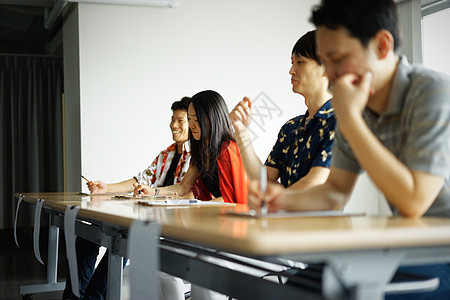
{"type": "Point", "coordinates": [233, 180]}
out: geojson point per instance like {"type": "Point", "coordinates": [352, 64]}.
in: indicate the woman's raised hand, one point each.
{"type": "Point", "coordinates": [241, 115]}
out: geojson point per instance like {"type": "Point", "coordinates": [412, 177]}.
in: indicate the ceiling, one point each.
{"type": "Point", "coordinates": [22, 26]}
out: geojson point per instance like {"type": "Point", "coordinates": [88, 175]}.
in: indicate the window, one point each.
{"type": "Point", "coordinates": [435, 41]}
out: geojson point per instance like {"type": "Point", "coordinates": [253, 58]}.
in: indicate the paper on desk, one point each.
{"type": "Point", "coordinates": [294, 214]}
{"type": "Point", "coordinates": [118, 197]}
{"type": "Point", "coordinates": [182, 202]}
{"type": "Point", "coordinates": [102, 194]}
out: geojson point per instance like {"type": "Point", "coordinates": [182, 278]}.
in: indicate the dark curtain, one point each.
{"type": "Point", "coordinates": [31, 129]}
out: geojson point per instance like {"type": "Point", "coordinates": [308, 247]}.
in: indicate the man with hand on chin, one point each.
{"type": "Point", "coordinates": [393, 121]}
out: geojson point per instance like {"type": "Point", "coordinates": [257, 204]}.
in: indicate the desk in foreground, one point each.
{"type": "Point", "coordinates": [350, 245]}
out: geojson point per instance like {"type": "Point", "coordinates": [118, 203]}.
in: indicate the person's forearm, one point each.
{"type": "Point", "coordinates": [250, 160]}
{"type": "Point", "coordinates": [389, 174]}
{"type": "Point", "coordinates": [320, 197]}
{"type": "Point", "coordinates": [179, 189]}
{"type": "Point", "coordinates": [121, 187]}
{"type": "Point", "coordinates": [315, 176]}
{"type": "Point", "coordinates": [184, 187]}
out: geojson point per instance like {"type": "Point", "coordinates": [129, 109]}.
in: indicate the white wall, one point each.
{"type": "Point", "coordinates": [135, 61]}
{"type": "Point", "coordinates": [367, 198]}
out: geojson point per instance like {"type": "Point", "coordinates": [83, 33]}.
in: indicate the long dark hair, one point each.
{"type": "Point", "coordinates": [215, 126]}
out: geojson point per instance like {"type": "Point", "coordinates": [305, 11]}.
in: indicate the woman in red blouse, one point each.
{"type": "Point", "coordinates": [216, 169]}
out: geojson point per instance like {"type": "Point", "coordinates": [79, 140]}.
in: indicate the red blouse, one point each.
{"type": "Point", "coordinates": [233, 181]}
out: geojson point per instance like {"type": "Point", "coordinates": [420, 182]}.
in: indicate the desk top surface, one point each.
{"type": "Point", "coordinates": [211, 226]}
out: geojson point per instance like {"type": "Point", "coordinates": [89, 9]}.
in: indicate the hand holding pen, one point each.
{"type": "Point", "coordinates": [89, 184]}
{"type": "Point", "coordinates": [141, 190]}
{"type": "Point", "coordinates": [273, 196]}
{"type": "Point", "coordinates": [96, 187]}
{"type": "Point", "coordinates": [140, 183]}
{"type": "Point", "coordinates": [85, 179]}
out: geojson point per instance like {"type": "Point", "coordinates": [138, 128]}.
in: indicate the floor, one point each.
{"type": "Point", "coordinates": [20, 267]}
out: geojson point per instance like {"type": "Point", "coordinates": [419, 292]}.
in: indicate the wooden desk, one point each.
{"type": "Point", "coordinates": [362, 252]}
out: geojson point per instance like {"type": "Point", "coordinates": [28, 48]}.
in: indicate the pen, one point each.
{"type": "Point", "coordinates": [263, 187]}
{"type": "Point", "coordinates": [85, 178]}
{"type": "Point", "coordinates": [140, 181]}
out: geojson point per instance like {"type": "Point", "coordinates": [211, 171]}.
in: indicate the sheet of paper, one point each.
{"type": "Point", "coordinates": [103, 194]}
{"type": "Point", "coordinates": [293, 214]}
{"type": "Point", "coordinates": [182, 202]}
{"type": "Point", "coordinates": [118, 197]}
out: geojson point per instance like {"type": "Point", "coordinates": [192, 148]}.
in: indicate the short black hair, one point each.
{"type": "Point", "coordinates": [306, 46]}
{"type": "Point", "coordinates": [182, 104]}
{"type": "Point", "coordinates": [362, 18]}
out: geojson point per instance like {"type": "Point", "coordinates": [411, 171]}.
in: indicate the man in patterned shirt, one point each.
{"type": "Point", "coordinates": [393, 122]}
{"type": "Point", "coordinates": [168, 167]}
{"type": "Point", "coordinates": [302, 154]}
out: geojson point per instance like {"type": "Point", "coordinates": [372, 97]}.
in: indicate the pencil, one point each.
{"type": "Point", "coordinates": [140, 182]}
{"type": "Point", "coordinates": [85, 178]}
{"type": "Point", "coordinates": [263, 187]}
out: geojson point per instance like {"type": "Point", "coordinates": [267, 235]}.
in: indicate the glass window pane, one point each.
{"type": "Point", "coordinates": [436, 42]}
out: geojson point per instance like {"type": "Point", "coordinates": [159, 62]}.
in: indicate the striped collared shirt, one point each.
{"type": "Point", "coordinates": [415, 127]}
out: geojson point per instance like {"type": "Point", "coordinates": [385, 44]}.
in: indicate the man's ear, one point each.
{"type": "Point", "coordinates": [384, 42]}
{"type": "Point", "coordinates": [324, 72]}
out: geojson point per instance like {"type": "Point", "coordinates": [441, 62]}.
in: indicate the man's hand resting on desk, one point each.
{"type": "Point", "coordinates": [97, 187]}
{"type": "Point", "coordinates": [144, 190]}
{"type": "Point", "coordinates": [274, 196]}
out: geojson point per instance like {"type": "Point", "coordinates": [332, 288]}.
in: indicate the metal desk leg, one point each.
{"type": "Point", "coordinates": [143, 250]}
{"type": "Point", "coordinates": [52, 266]}
{"type": "Point", "coordinates": [115, 272]}
{"type": "Point", "coordinates": [52, 256]}
{"type": "Point", "coordinates": [362, 291]}
{"type": "Point", "coordinates": [364, 275]}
